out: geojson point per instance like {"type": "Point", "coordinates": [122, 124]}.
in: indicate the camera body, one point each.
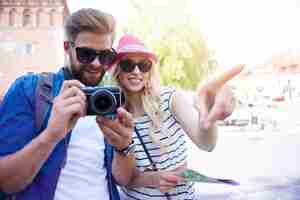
{"type": "Point", "coordinates": [103, 101]}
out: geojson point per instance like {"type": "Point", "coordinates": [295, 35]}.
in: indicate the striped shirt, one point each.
{"type": "Point", "coordinates": [173, 155]}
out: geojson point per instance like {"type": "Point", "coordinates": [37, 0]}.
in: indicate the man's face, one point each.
{"type": "Point", "coordinates": [89, 74]}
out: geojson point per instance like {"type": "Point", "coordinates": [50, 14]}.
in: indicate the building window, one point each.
{"type": "Point", "coordinates": [51, 1]}
{"type": "Point", "coordinates": [24, 49]}
{"type": "Point", "coordinates": [52, 17]}
{"type": "Point", "coordinates": [39, 17]}
{"type": "Point", "coordinates": [28, 49]}
{"type": "Point", "coordinates": [27, 19]}
{"type": "Point", "coordinates": [1, 16]}
{"type": "Point", "coordinates": [12, 17]}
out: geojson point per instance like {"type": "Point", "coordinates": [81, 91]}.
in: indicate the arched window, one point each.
{"type": "Point", "coordinates": [38, 17]}
{"type": "Point", "coordinates": [52, 15]}
{"type": "Point", "coordinates": [1, 16]}
{"type": "Point", "coordinates": [12, 17]}
{"type": "Point", "coordinates": [51, 1]}
{"type": "Point", "coordinates": [27, 17]}
{"type": "Point", "coordinates": [12, 1]}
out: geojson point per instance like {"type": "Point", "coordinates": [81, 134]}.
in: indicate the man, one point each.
{"type": "Point", "coordinates": [70, 157]}
{"type": "Point", "coordinates": [51, 164]}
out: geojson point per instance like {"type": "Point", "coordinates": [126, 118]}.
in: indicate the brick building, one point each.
{"type": "Point", "coordinates": [31, 37]}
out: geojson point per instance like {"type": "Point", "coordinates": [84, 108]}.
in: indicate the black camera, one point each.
{"type": "Point", "coordinates": [103, 100]}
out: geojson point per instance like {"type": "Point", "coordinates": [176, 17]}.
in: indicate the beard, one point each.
{"type": "Point", "coordinates": [80, 73]}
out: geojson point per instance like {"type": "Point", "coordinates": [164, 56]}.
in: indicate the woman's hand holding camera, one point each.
{"type": "Point", "coordinates": [118, 132]}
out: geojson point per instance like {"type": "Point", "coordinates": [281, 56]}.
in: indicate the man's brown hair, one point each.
{"type": "Point", "coordinates": [89, 20]}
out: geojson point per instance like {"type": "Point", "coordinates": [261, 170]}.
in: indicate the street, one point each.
{"type": "Point", "coordinates": [265, 164]}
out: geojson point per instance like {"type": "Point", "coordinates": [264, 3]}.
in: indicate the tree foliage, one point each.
{"type": "Point", "coordinates": [169, 30]}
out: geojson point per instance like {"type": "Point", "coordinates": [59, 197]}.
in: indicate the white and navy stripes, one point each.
{"type": "Point", "coordinates": [174, 155]}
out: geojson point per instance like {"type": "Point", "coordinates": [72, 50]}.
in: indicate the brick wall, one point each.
{"type": "Point", "coordinates": [31, 35]}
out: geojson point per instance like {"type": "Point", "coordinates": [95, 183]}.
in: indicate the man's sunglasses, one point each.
{"type": "Point", "coordinates": [87, 55]}
{"type": "Point", "coordinates": [128, 65]}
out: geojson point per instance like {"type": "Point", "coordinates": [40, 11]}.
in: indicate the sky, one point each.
{"type": "Point", "coordinates": [239, 31]}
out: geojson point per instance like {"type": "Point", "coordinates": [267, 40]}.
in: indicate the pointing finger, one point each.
{"type": "Point", "coordinates": [218, 82]}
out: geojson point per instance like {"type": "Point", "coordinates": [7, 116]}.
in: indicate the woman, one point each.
{"type": "Point", "coordinates": [163, 116]}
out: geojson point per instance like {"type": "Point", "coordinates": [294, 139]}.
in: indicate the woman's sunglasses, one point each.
{"type": "Point", "coordinates": [87, 55]}
{"type": "Point", "coordinates": [128, 65]}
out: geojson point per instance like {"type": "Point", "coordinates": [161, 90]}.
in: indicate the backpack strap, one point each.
{"type": "Point", "coordinates": [43, 97]}
{"type": "Point", "coordinates": [43, 100]}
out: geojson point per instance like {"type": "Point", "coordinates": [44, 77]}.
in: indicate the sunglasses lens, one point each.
{"type": "Point", "coordinates": [85, 55]}
{"type": "Point", "coordinates": [145, 66]}
{"type": "Point", "coordinates": [126, 65]}
{"type": "Point", "coordinates": [129, 65]}
{"type": "Point", "coordinates": [107, 57]}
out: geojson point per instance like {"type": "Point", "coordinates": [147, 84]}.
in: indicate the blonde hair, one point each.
{"type": "Point", "coordinates": [151, 102]}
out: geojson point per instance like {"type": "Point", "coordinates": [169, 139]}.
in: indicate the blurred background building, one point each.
{"type": "Point", "coordinates": [31, 37]}
{"type": "Point", "coordinates": [269, 93]}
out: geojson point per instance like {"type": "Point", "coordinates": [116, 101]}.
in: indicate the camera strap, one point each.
{"type": "Point", "coordinates": [153, 164]}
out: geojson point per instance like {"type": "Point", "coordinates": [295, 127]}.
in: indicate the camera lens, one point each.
{"type": "Point", "coordinates": [104, 102]}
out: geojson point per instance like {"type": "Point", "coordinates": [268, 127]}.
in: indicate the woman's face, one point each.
{"type": "Point", "coordinates": [134, 72]}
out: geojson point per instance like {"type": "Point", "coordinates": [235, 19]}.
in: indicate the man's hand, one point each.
{"type": "Point", "coordinates": [216, 100]}
{"type": "Point", "coordinates": [118, 132]}
{"type": "Point", "coordinates": [68, 106]}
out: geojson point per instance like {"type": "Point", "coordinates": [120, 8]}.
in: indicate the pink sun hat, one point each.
{"type": "Point", "coordinates": [129, 44]}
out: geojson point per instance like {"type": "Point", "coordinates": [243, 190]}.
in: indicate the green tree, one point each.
{"type": "Point", "coordinates": [169, 30]}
